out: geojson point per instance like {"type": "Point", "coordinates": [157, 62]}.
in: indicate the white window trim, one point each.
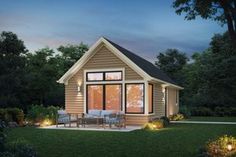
{"type": "Point", "coordinates": [123, 82]}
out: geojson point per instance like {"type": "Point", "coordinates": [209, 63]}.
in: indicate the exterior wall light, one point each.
{"type": "Point", "coordinates": [79, 88]}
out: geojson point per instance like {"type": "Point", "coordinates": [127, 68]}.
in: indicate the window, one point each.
{"type": "Point", "coordinates": [150, 98]}
{"type": "Point", "coordinates": [134, 98]}
{"type": "Point", "coordinates": [113, 97]}
{"type": "Point", "coordinates": [94, 76]}
{"type": "Point", "coordinates": [104, 76]}
{"type": "Point", "coordinates": [113, 75]}
{"type": "Point", "coordinates": [104, 97]}
{"type": "Point", "coordinates": [95, 97]}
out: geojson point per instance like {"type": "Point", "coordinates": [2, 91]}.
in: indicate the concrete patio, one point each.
{"type": "Point", "coordinates": [93, 128]}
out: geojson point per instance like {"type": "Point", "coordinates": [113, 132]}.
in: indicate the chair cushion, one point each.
{"type": "Point", "coordinates": [61, 112]}
{"type": "Point", "coordinates": [106, 112]}
{"type": "Point", "coordinates": [94, 113]}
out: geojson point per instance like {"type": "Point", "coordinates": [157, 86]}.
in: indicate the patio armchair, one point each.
{"type": "Point", "coordinates": [65, 118]}
{"type": "Point", "coordinates": [118, 119]}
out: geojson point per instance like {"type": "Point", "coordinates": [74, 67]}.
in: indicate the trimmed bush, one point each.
{"type": "Point", "coordinates": [12, 115]}
{"type": "Point", "coordinates": [224, 146]}
{"type": "Point", "coordinates": [21, 148]}
{"type": "Point", "coordinates": [15, 115]}
{"type": "Point", "coordinates": [176, 117]}
{"type": "Point", "coordinates": [166, 121]}
{"type": "Point", "coordinates": [38, 114]}
{"type": "Point", "coordinates": [154, 125]}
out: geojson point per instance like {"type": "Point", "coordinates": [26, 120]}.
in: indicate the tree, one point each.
{"type": "Point", "coordinates": [70, 54]}
{"type": "Point", "coordinates": [223, 11]}
{"type": "Point", "coordinates": [210, 80]}
{"type": "Point", "coordinates": [172, 62]}
{"type": "Point", "coordinates": [12, 63]}
{"type": "Point", "coordinates": [42, 73]}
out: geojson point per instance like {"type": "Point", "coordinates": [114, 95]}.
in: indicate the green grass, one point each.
{"type": "Point", "coordinates": [216, 119]}
{"type": "Point", "coordinates": [177, 140]}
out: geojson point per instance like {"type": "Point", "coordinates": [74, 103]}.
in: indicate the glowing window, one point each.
{"type": "Point", "coordinates": [134, 98]}
{"type": "Point", "coordinates": [95, 97]}
{"type": "Point", "coordinates": [94, 76]}
{"type": "Point", "coordinates": [113, 75]}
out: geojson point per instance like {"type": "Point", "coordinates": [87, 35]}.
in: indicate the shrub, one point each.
{"type": "Point", "coordinates": [2, 136]}
{"type": "Point", "coordinates": [7, 154]}
{"type": "Point", "coordinates": [225, 111]}
{"type": "Point", "coordinates": [21, 148]}
{"type": "Point", "coordinates": [201, 111]}
{"type": "Point", "coordinates": [154, 125]}
{"type": "Point", "coordinates": [219, 147]}
{"type": "Point", "coordinates": [166, 121]}
{"type": "Point", "coordinates": [176, 117]}
{"type": "Point", "coordinates": [185, 111]}
{"type": "Point", "coordinates": [12, 114]}
{"type": "Point", "coordinates": [38, 114]}
{"type": "Point", "coordinates": [15, 114]}
{"type": "Point", "coordinates": [2, 114]}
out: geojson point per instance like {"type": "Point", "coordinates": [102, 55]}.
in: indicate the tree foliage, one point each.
{"type": "Point", "coordinates": [28, 78]}
{"type": "Point", "coordinates": [223, 11]}
{"type": "Point", "coordinates": [12, 65]}
{"type": "Point", "coordinates": [172, 62]}
{"type": "Point", "coordinates": [209, 79]}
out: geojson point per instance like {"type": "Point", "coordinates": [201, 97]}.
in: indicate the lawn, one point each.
{"type": "Point", "coordinates": [211, 119]}
{"type": "Point", "coordinates": [177, 140]}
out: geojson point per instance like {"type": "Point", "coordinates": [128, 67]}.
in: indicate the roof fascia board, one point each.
{"type": "Point", "coordinates": [167, 83]}
{"type": "Point", "coordinates": [82, 60]}
{"type": "Point", "coordinates": [127, 60]}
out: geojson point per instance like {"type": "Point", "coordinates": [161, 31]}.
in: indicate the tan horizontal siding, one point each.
{"type": "Point", "coordinates": [136, 119]}
{"type": "Point", "coordinates": [102, 59]}
{"type": "Point", "coordinates": [106, 59]}
{"type": "Point", "coordinates": [172, 107]}
{"type": "Point", "coordinates": [158, 100]}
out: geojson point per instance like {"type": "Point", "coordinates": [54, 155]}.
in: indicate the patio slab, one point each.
{"type": "Point", "coordinates": [92, 128]}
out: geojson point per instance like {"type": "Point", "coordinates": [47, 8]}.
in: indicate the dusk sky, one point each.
{"type": "Point", "coordinates": [145, 27]}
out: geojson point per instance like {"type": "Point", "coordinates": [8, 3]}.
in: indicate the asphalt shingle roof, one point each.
{"type": "Point", "coordinates": [145, 65]}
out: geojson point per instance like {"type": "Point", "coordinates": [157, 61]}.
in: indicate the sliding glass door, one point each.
{"type": "Point", "coordinates": [104, 97]}
{"type": "Point", "coordinates": [113, 97]}
{"type": "Point", "coordinates": [95, 97]}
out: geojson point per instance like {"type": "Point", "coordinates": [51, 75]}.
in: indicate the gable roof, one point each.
{"type": "Point", "coordinates": [140, 65]}
{"type": "Point", "coordinates": [147, 66]}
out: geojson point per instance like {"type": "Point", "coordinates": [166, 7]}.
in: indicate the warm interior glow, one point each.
{"type": "Point", "coordinates": [94, 76]}
{"type": "Point", "coordinates": [113, 97]}
{"type": "Point", "coordinates": [113, 76]}
{"type": "Point", "coordinates": [95, 97]}
{"type": "Point", "coordinates": [134, 98]}
{"type": "Point", "coordinates": [150, 98]}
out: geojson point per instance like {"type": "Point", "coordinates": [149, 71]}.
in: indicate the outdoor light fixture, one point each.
{"type": "Point", "coordinates": [78, 88]}
{"type": "Point", "coordinates": [229, 147]}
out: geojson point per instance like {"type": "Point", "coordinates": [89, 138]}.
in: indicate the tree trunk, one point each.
{"type": "Point", "coordinates": [230, 15]}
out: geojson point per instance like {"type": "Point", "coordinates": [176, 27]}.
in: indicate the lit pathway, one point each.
{"type": "Point", "coordinates": [202, 122]}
